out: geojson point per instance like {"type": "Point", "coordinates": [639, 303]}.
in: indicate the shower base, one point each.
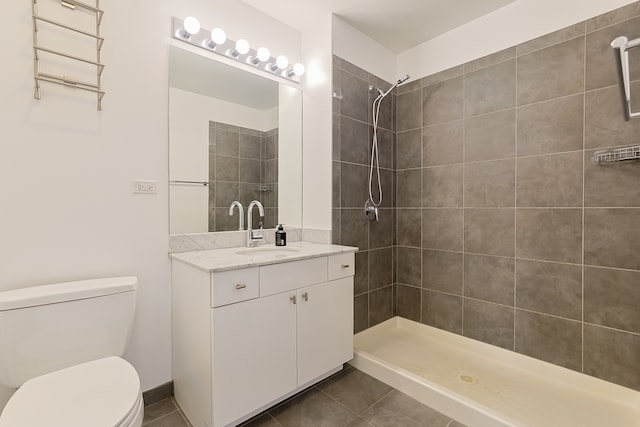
{"type": "Point", "coordinates": [482, 385]}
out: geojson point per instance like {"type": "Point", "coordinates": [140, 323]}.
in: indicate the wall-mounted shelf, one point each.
{"type": "Point", "coordinates": [617, 155]}
{"type": "Point", "coordinates": [63, 80]}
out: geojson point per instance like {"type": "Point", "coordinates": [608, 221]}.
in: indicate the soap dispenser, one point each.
{"type": "Point", "coordinates": [281, 236]}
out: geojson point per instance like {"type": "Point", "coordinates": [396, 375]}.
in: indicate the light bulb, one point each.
{"type": "Point", "coordinates": [242, 46]}
{"type": "Point", "coordinates": [218, 36]}
{"type": "Point", "coordinates": [298, 69]}
{"type": "Point", "coordinates": [263, 54]}
{"type": "Point", "coordinates": [191, 25]}
{"type": "Point", "coordinates": [282, 62]}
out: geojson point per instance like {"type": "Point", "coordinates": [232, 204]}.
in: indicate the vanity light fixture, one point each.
{"type": "Point", "coordinates": [241, 48]}
{"type": "Point", "coordinates": [189, 31]}
{"type": "Point", "coordinates": [190, 27]}
{"type": "Point", "coordinates": [262, 55]}
{"type": "Point", "coordinates": [297, 70]}
{"type": "Point", "coordinates": [218, 37]}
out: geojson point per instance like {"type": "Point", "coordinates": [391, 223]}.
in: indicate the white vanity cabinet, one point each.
{"type": "Point", "coordinates": [270, 331]}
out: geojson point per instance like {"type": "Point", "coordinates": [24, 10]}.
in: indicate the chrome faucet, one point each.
{"type": "Point", "coordinates": [240, 213]}
{"type": "Point", "coordinates": [251, 238]}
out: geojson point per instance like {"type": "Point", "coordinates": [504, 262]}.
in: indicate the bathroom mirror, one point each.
{"type": "Point", "coordinates": [233, 136]}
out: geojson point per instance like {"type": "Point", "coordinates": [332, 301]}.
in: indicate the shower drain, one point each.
{"type": "Point", "coordinates": [467, 379]}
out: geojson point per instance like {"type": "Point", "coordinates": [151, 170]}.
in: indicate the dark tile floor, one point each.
{"type": "Point", "coordinates": [350, 398]}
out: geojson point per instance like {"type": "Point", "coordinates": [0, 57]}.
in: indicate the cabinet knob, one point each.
{"type": "Point", "coordinates": [345, 265]}
{"type": "Point", "coordinates": [240, 286]}
{"type": "Point", "coordinates": [305, 296]}
{"type": "Point", "coordinates": [293, 299]}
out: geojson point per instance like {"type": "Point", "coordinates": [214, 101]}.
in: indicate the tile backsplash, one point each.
{"type": "Point", "coordinates": [501, 228]}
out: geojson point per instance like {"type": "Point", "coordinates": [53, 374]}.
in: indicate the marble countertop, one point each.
{"type": "Point", "coordinates": [214, 260]}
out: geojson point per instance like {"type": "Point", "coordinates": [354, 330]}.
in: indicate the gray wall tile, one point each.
{"type": "Point", "coordinates": [489, 231]}
{"type": "Point", "coordinates": [489, 278]}
{"type": "Point", "coordinates": [409, 111]}
{"type": "Point", "coordinates": [354, 228]}
{"type": "Point", "coordinates": [619, 366]}
{"type": "Point", "coordinates": [551, 72]}
{"type": "Point", "coordinates": [605, 125]}
{"type": "Point", "coordinates": [409, 149]}
{"type": "Point", "coordinates": [407, 307]}
{"type": "Point", "coordinates": [490, 184]}
{"type": "Point", "coordinates": [361, 278]}
{"type": "Point", "coordinates": [442, 75]}
{"type": "Point", "coordinates": [380, 305]}
{"type": "Point", "coordinates": [551, 39]}
{"type": "Point", "coordinates": [442, 229]}
{"type": "Point", "coordinates": [551, 339]}
{"type": "Point", "coordinates": [409, 227]}
{"type": "Point", "coordinates": [550, 180]}
{"type": "Point", "coordinates": [549, 234]}
{"type": "Point", "coordinates": [354, 185]}
{"type": "Point", "coordinates": [354, 141]}
{"type": "Point", "coordinates": [409, 190]}
{"type": "Point", "coordinates": [491, 59]}
{"type": "Point", "coordinates": [355, 96]}
{"type": "Point", "coordinates": [490, 89]}
{"type": "Point", "coordinates": [442, 102]}
{"type": "Point", "coordinates": [490, 323]}
{"type": "Point", "coordinates": [410, 266]}
{"type": "Point", "coordinates": [442, 186]}
{"type": "Point", "coordinates": [380, 268]}
{"type": "Point", "coordinates": [551, 126]}
{"type": "Point", "coordinates": [621, 14]}
{"type": "Point", "coordinates": [612, 238]}
{"type": "Point", "coordinates": [601, 68]}
{"type": "Point", "coordinates": [490, 136]}
{"type": "Point", "coordinates": [442, 144]}
{"type": "Point", "coordinates": [549, 288]}
{"type": "Point", "coordinates": [360, 313]}
{"type": "Point", "coordinates": [612, 298]}
{"type": "Point", "coordinates": [381, 231]}
{"type": "Point", "coordinates": [442, 271]}
{"type": "Point", "coordinates": [611, 184]}
{"type": "Point", "coordinates": [442, 311]}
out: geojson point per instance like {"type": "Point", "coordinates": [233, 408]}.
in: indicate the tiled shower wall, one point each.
{"type": "Point", "coordinates": [505, 230]}
{"type": "Point", "coordinates": [352, 127]}
{"type": "Point", "coordinates": [243, 166]}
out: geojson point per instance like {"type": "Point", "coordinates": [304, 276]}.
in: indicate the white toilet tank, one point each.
{"type": "Point", "coordinates": [50, 327]}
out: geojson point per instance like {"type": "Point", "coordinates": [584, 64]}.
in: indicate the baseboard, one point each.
{"type": "Point", "coordinates": [158, 393]}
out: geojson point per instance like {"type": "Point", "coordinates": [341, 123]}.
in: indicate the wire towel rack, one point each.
{"type": "Point", "coordinates": [39, 76]}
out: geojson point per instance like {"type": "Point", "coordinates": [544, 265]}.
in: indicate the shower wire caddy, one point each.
{"type": "Point", "coordinates": [40, 76]}
{"type": "Point", "coordinates": [617, 155]}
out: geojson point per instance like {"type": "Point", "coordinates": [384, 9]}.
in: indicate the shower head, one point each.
{"type": "Point", "coordinates": [403, 79]}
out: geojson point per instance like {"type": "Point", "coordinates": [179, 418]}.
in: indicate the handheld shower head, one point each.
{"type": "Point", "coordinates": [403, 79]}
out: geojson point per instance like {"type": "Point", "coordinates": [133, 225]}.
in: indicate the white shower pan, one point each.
{"type": "Point", "coordinates": [485, 386]}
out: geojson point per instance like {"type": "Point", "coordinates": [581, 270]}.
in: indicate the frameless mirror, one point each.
{"type": "Point", "coordinates": [233, 136]}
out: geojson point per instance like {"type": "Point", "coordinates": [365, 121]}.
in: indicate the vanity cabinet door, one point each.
{"type": "Point", "coordinates": [325, 328]}
{"type": "Point", "coordinates": [254, 355]}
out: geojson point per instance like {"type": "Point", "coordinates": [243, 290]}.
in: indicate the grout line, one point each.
{"type": "Point", "coordinates": [584, 137]}
{"type": "Point", "coordinates": [464, 124]}
{"type": "Point", "coordinates": [515, 211]}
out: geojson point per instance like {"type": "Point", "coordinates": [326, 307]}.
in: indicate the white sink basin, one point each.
{"type": "Point", "coordinates": [268, 250]}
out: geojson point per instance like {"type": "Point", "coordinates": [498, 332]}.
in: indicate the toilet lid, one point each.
{"type": "Point", "coordinates": [100, 393]}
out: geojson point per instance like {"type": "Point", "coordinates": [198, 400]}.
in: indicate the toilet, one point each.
{"type": "Point", "coordinates": [60, 346]}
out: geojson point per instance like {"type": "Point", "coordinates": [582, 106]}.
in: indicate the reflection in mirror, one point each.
{"type": "Point", "coordinates": [231, 133]}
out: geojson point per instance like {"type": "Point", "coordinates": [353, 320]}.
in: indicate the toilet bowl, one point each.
{"type": "Point", "coordinates": [60, 346]}
{"type": "Point", "coordinates": [101, 393]}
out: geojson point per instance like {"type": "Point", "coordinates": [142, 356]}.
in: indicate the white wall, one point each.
{"type": "Point", "coordinates": [359, 49]}
{"type": "Point", "coordinates": [515, 23]}
{"type": "Point", "coordinates": [66, 205]}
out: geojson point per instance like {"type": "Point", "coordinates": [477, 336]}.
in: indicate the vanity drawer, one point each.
{"type": "Point", "coordinates": [292, 275]}
{"type": "Point", "coordinates": [233, 286]}
{"type": "Point", "coordinates": [342, 265]}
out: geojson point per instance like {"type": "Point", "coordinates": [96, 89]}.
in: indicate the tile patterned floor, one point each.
{"type": "Point", "coordinates": [349, 398]}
